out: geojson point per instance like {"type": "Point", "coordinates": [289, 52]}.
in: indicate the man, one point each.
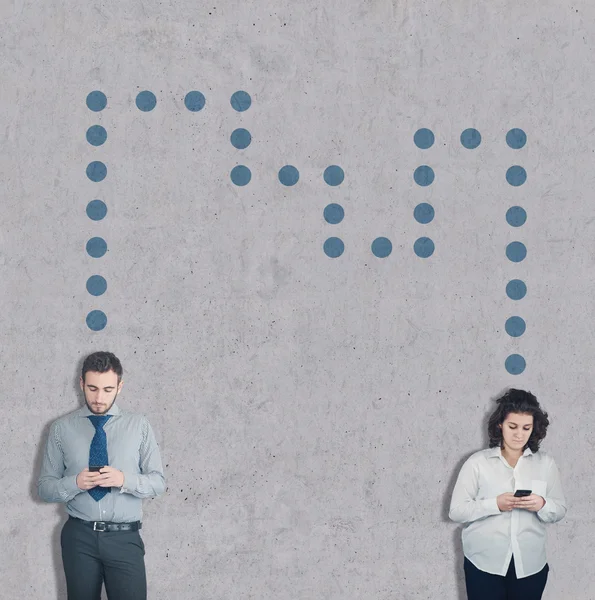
{"type": "Point", "coordinates": [102, 461]}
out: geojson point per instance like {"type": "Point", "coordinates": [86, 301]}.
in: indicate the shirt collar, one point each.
{"type": "Point", "coordinates": [497, 451]}
{"type": "Point", "coordinates": [85, 412]}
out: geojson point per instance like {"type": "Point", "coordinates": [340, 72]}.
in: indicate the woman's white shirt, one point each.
{"type": "Point", "coordinates": [491, 537]}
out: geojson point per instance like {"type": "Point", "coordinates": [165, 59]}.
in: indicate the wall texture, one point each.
{"type": "Point", "coordinates": [313, 410]}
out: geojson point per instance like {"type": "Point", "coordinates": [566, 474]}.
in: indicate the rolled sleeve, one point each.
{"type": "Point", "coordinates": [464, 505]}
{"type": "Point", "coordinates": [554, 508]}
{"type": "Point", "coordinates": [149, 482]}
{"type": "Point", "coordinates": [52, 486]}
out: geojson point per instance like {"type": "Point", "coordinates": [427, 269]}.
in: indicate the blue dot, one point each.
{"type": "Point", "coordinates": [516, 216]}
{"type": "Point", "coordinates": [424, 175]}
{"type": "Point", "coordinates": [96, 210]}
{"type": "Point", "coordinates": [241, 139]}
{"type": "Point", "coordinates": [381, 247]}
{"type": "Point", "coordinates": [515, 326]}
{"type": "Point", "coordinates": [423, 138]}
{"type": "Point", "coordinates": [96, 171]}
{"type": "Point", "coordinates": [334, 247]}
{"type": "Point", "coordinates": [96, 285]}
{"type": "Point", "coordinates": [516, 289]}
{"type": "Point", "coordinates": [146, 101]}
{"type": "Point", "coordinates": [516, 138]}
{"type": "Point", "coordinates": [96, 320]}
{"type": "Point", "coordinates": [424, 213]}
{"type": "Point", "coordinates": [241, 101]}
{"type": "Point", "coordinates": [516, 175]}
{"type": "Point", "coordinates": [194, 101]}
{"type": "Point", "coordinates": [288, 175]}
{"type": "Point", "coordinates": [96, 101]}
{"type": "Point", "coordinates": [241, 175]}
{"type": "Point", "coordinates": [334, 175]}
{"type": "Point", "coordinates": [96, 247]}
{"type": "Point", "coordinates": [96, 135]}
{"type": "Point", "coordinates": [423, 247]}
{"type": "Point", "coordinates": [515, 364]}
{"type": "Point", "coordinates": [334, 214]}
{"type": "Point", "coordinates": [470, 138]}
{"type": "Point", "coordinates": [516, 251]}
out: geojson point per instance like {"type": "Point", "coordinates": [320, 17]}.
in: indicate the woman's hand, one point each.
{"type": "Point", "coordinates": [506, 502]}
{"type": "Point", "coordinates": [534, 503]}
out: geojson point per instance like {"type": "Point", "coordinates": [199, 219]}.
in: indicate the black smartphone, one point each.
{"type": "Point", "coordinates": [95, 469]}
{"type": "Point", "coordinates": [521, 493]}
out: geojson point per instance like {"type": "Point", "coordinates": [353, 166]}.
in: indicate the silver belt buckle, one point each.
{"type": "Point", "coordinates": [96, 523]}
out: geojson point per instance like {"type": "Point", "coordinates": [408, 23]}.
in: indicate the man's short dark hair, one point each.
{"type": "Point", "coordinates": [102, 362]}
{"type": "Point", "coordinates": [518, 402]}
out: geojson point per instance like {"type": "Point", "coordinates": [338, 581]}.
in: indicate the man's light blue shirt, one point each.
{"type": "Point", "coordinates": [132, 449]}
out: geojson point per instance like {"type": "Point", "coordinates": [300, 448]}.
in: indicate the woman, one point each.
{"type": "Point", "coordinates": [504, 535]}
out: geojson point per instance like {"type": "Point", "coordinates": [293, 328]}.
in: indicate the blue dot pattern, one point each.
{"type": "Point", "coordinates": [516, 289]}
{"type": "Point", "coordinates": [334, 175]}
{"type": "Point", "coordinates": [333, 247]}
{"type": "Point", "coordinates": [96, 171]}
{"type": "Point", "coordinates": [516, 138]}
{"type": "Point", "coordinates": [96, 135]}
{"type": "Point", "coordinates": [289, 175]}
{"type": "Point", "coordinates": [470, 138]}
{"type": "Point", "coordinates": [96, 247]}
{"type": "Point", "coordinates": [423, 175]}
{"type": "Point", "coordinates": [516, 216]}
{"type": "Point", "coordinates": [516, 175]}
{"type": "Point", "coordinates": [96, 285]}
{"type": "Point", "coordinates": [515, 364]}
{"type": "Point", "coordinates": [423, 138]}
{"type": "Point", "coordinates": [241, 101]}
{"type": "Point", "coordinates": [146, 101]}
{"type": "Point", "coordinates": [515, 326]}
{"type": "Point", "coordinates": [96, 101]}
{"type": "Point", "coordinates": [424, 213]}
{"type": "Point", "coordinates": [194, 101]}
{"type": "Point", "coordinates": [96, 210]}
{"type": "Point", "coordinates": [381, 247]}
{"type": "Point", "coordinates": [241, 139]}
{"type": "Point", "coordinates": [423, 247]}
{"type": "Point", "coordinates": [334, 214]}
{"type": "Point", "coordinates": [516, 251]}
{"type": "Point", "coordinates": [241, 175]}
{"type": "Point", "coordinates": [96, 320]}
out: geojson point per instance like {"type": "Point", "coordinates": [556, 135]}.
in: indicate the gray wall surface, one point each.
{"type": "Point", "coordinates": [312, 412]}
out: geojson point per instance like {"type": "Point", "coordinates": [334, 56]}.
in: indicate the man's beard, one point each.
{"type": "Point", "coordinates": [103, 411]}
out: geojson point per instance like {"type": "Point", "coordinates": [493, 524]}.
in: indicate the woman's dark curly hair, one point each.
{"type": "Point", "coordinates": [518, 401]}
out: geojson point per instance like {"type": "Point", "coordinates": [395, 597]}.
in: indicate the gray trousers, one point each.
{"type": "Point", "coordinates": [91, 558]}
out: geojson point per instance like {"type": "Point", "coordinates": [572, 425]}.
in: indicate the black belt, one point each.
{"type": "Point", "coordinates": [105, 526]}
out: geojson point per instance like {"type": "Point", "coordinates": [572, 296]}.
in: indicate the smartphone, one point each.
{"type": "Point", "coordinates": [521, 493]}
{"type": "Point", "coordinates": [95, 469]}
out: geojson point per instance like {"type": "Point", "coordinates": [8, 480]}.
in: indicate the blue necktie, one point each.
{"type": "Point", "coordinates": [98, 452]}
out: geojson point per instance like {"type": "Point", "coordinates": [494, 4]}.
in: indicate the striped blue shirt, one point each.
{"type": "Point", "coordinates": [132, 449]}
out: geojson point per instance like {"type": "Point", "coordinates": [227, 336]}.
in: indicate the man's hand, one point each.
{"type": "Point", "coordinates": [110, 477]}
{"type": "Point", "coordinates": [107, 477]}
{"type": "Point", "coordinates": [533, 503]}
{"type": "Point", "coordinates": [87, 479]}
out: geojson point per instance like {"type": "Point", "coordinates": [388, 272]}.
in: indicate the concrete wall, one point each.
{"type": "Point", "coordinates": [312, 412]}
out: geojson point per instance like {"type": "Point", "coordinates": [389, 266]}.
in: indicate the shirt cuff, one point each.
{"type": "Point", "coordinates": [130, 483]}
{"type": "Point", "coordinates": [69, 487]}
{"type": "Point", "coordinates": [490, 505]}
{"type": "Point", "coordinates": [546, 510]}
